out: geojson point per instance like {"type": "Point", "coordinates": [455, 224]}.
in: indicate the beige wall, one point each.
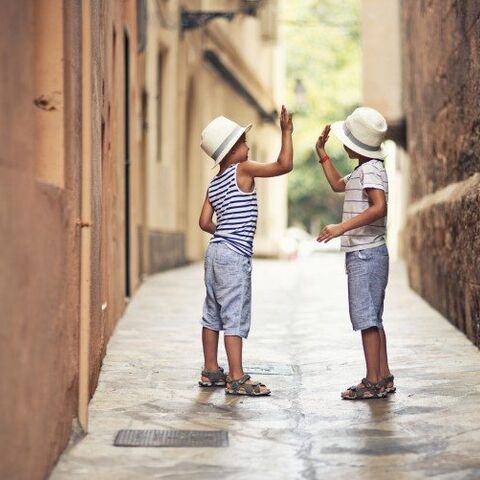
{"type": "Point", "coordinates": [110, 22]}
{"type": "Point", "coordinates": [62, 180]}
{"type": "Point", "coordinates": [39, 203]}
{"type": "Point", "coordinates": [398, 170]}
{"type": "Point", "coordinates": [63, 196]}
{"type": "Point", "coordinates": [382, 90]}
{"type": "Point", "coordinates": [381, 57]}
{"type": "Point", "coordinates": [192, 94]}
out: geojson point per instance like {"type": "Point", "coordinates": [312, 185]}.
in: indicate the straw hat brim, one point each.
{"type": "Point", "coordinates": [231, 143]}
{"type": "Point", "coordinates": [339, 132]}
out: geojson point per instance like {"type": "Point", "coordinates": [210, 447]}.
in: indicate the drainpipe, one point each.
{"type": "Point", "coordinates": [85, 238]}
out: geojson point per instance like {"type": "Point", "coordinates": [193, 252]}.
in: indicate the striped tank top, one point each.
{"type": "Point", "coordinates": [236, 212]}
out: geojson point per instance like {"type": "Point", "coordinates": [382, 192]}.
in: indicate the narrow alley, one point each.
{"type": "Point", "coordinates": [301, 345]}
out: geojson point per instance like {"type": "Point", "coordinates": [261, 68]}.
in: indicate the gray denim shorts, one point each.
{"type": "Point", "coordinates": [228, 281]}
{"type": "Point", "coordinates": [367, 272]}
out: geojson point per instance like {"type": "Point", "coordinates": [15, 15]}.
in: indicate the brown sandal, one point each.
{"type": "Point", "coordinates": [366, 391]}
{"type": "Point", "coordinates": [384, 383]}
{"type": "Point", "coordinates": [215, 379]}
{"type": "Point", "coordinates": [240, 387]}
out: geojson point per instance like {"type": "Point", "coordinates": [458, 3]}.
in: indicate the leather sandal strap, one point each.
{"type": "Point", "coordinates": [358, 392]}
{"type": "Point", "coordinates": [368, 384]}
{"type": "Point", "coordinates": [252, 387]}
{"type": "Point", "coordinates": [385, 381]}
{"type": "Point", "coordinates": [217, 376]}
{"type": "Point", "coordinates": [236, 384]}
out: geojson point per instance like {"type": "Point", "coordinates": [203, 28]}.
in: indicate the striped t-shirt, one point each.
{"type": "Point", "coordinates": [236, 212]}
{"type": "Point", "coordinates": [370, 174]}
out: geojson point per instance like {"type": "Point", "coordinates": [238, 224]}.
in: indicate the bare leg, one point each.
{"type": "Point", "coordinates": [233, 346]}
{"type": "Point", "coordinates": [371, 349]}
{"type": "Point", "coordinates": [384, 369]}
{"type": "Point", "coordinates": [210, 350]}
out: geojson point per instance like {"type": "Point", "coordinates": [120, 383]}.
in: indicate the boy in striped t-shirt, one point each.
{"type": "Point", "coordinates": [232, 198]}
{"type": "Point", "coordinates": [362, 232]}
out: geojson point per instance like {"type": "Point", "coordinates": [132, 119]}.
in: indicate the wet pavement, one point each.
{"type": "Point", "coordinates": [302, 346]}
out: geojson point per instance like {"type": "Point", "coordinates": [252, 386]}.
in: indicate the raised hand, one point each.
{"type": "Point", "coordinates": [286, 123]}
{"type": "Point", "coordinates": [322, 140]}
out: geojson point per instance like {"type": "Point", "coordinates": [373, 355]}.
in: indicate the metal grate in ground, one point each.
{"type": "Point", "coordinates": [171, 438]}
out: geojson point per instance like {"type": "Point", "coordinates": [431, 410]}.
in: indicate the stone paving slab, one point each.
{"type": "Point", "coordinates": [430, 428]}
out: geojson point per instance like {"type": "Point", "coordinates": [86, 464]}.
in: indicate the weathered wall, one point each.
{"type": "Point", "coordinates": [441, 44]}
{"type": "Point", "coordinates": [63, 154]}
{"type": "Point", "coordinates": [39, 258]}
{"type": "Point", "coordinates": [43, 74]}
{"type": "Point", "coordinates": [110, 22]}
{"type": "Point", "coordinates": [183, 93]}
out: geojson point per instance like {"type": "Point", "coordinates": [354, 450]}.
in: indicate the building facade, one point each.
{"type": "Point", "coordinates": [101, 183]}
{"type": "Point", "coordinates": [425, 57]}
{"type": "Point", "coordinates": [195, 72]}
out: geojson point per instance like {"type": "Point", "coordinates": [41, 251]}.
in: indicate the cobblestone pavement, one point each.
{"type": "Point", "coordinates": [301, 332]}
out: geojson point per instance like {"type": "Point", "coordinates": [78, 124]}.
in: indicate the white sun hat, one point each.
{"type": "Point", "coordinates": [363, 131]}
{"type": "Point", "coordinates": [219, 136]}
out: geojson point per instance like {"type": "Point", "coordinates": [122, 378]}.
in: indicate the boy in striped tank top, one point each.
{"type": "Point", "coordinates": [232, 198]}
{"type": "Point", "coordinates": [362, 232]}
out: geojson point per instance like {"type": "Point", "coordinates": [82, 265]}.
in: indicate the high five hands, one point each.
{"type": "Point", "coordinates": [335, 229]}
{"type": "Point", "coordinates": [322, 140]}
{"type": "Point", "coordinates": [286, 123]}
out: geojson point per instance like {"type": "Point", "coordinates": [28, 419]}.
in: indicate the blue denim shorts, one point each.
{"type": "Point", "coordinates": [367, 272]}
{"type": "Point", "coordinates": [228, 281]}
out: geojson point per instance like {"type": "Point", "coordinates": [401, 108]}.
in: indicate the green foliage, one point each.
{"type": "Point", "coordinates": [323, 50]}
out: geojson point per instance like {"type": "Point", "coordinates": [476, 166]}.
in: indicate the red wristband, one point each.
{"type": "Point", "coordinates": [324, 158]}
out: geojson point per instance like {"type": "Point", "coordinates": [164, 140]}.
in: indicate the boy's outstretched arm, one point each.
{"type": "Point", "coordinates": [206, 217]}
{"type": "Point", "coordinates": [376, 211]}
{"type": "Point", "coordinates": [284, 163]}
{"type": "Point", "coordinates": [334, 178]}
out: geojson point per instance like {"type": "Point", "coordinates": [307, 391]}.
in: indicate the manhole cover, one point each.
{"type": "Point", "coordinates": [269, 369]}
{"type": "Point", "coordinates": [171, 438]}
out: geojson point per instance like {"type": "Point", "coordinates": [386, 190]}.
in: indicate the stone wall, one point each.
{"type": "Point", "coordinates": [441, 45]}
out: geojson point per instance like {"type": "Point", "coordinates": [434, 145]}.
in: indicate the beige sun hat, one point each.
{"type": "Point", "coordinates": [363, 131]}
{"type": "Point", "coordinates": [219, 136]}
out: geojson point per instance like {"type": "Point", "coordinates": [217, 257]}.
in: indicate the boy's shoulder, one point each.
{"type": "Point", "coordinates": [226, 174]}
{"type": "Point", "coordinates": [244, 166]}
{"type": "Point", "coordinates": [372, 165]}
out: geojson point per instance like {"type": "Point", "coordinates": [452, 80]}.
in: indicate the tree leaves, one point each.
{"type": "Point", "coordinates": [323, 50]}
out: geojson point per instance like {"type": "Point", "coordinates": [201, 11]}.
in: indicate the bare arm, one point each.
{"type": "Point", "coordinates": [376, 211]}
{"type": "Point", "coordinates": [331, 173]}
{"type": "Point", "coordinates": [206, 217]}
{"type": "Point", "coordinates": [284, 163]}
